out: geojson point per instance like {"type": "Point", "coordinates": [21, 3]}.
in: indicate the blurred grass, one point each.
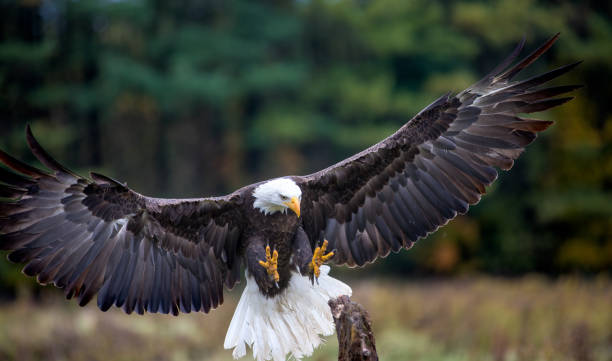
{"type": "Point", "coordinates": [478, 318]}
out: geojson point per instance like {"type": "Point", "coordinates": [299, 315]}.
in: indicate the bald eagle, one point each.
{"type": "Point", "coordinates": [95, 235]}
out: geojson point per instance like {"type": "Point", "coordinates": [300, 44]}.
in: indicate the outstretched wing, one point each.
{"type": "Point", "coordinates": [431, 169]}
{"type": "Point", "coordinates": [98, 236]}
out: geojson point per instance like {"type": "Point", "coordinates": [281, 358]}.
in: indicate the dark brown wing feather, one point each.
{"type": "Point", "coordinates": [405, 187]}
{"type": "Point", "coordinates": [135, 252]}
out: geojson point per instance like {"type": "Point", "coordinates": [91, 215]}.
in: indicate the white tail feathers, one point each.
{"type": "Point", "coordinates": [290, 323]}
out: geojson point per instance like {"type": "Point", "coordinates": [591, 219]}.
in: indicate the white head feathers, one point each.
{"type": "Point", "coordinates": [277, 195]}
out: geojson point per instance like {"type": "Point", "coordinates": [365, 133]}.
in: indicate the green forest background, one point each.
{"type": "Point", "coordinates": [195, 98]}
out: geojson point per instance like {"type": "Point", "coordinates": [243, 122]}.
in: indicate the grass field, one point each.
{"type": "Point", "coordinates": [493, 319]}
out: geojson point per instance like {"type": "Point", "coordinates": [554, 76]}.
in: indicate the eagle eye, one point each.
{"type": "Point", "coordinates": [285, 198]}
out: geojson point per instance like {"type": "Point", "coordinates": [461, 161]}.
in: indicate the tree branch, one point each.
{"type": "Point", "coordinates": [353, 327]}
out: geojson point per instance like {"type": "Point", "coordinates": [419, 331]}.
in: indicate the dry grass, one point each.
{"type": "Point", "coordinates": [462, 319]}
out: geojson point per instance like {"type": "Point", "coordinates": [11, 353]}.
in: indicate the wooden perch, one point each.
{"type": "Point", "coordinates": [355, 338]}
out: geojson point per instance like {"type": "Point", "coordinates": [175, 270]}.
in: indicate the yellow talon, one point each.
{"type": "Point", "coordinates": [271, 263]}
{"type": "Point", "coordinates": [319, 257]}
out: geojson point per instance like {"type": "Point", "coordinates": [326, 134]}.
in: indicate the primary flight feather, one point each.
{"type": "Point", "coordinates": [97, 236]}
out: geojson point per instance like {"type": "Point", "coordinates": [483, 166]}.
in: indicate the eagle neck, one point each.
{"type": "Point", "coordinates": [267, 208]}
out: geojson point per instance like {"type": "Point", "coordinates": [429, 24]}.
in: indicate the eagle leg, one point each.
{"type": "Point", "coordinates": [319, 257]}
{"type": "Point", "coordinates": [302, 253]}
{"type": "Point", "coordinates": [271, 264]}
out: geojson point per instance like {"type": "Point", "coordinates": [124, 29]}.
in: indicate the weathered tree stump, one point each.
{"type": "Point", "coordinates": [355, 337]}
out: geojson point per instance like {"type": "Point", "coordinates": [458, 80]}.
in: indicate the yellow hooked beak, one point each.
{"type": "Point", "coordinates": [294, 205]}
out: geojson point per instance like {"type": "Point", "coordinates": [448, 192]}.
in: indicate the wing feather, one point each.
{"type": "Point", "coordinates": [433, 167]}
{"type": "Point", "coordinates": [99, 237]}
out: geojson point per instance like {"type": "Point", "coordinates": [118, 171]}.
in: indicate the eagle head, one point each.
{"type": "Point", "coordinates": [278, 195]}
